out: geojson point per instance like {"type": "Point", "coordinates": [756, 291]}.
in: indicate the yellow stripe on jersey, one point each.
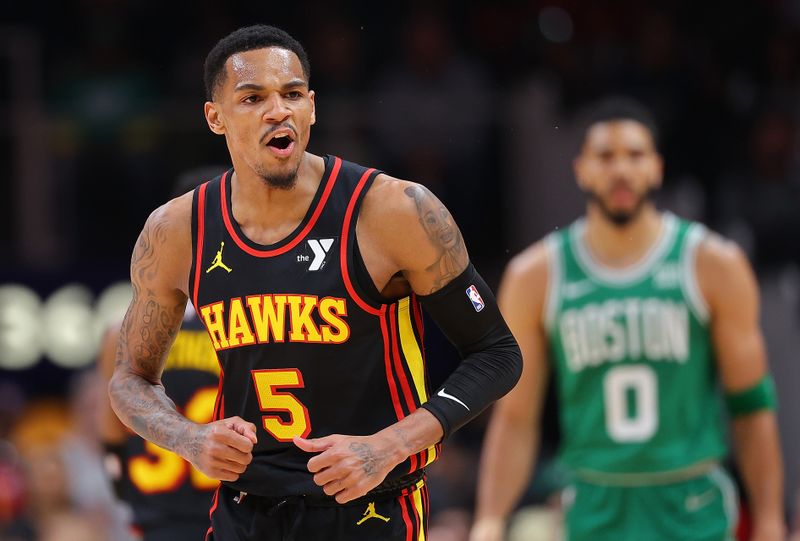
{"type": "Point", "coordinates": [417, 495]}
{"type": "Point", "coordinates": [413, 356]}
{"type": "Point", "coordinates": [411, 351]}
{"type": "Point", "coordinates": [431, 454]}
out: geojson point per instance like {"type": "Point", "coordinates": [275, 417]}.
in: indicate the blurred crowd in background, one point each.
{"type": "Point", "coordinates": [102, 101]}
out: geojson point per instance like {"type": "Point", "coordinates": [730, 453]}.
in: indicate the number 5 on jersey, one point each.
{"type": "Point", "coordinates": [270, 399]}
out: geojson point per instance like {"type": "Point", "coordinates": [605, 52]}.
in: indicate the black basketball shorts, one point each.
{"type": "Point", "coordinates": [399, 515]}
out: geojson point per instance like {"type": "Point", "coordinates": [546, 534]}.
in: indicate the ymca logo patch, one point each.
{"type": "Point", "coordinates": [316, 253]}
{"type": "Point", "coordinates": [475, 298]}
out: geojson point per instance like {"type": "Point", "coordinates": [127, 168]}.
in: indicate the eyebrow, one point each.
{"type": "Point", "coordinates": [294, 83]}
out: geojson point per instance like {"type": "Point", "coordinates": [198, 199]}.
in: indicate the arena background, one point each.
{"type": "Point", "coordinates": [102, 109]}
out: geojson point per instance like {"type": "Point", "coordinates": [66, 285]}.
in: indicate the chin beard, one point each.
{"type": "Point", "coordinates": [281, 181]}
{"type": "Point", "coordinates": [619, 218]}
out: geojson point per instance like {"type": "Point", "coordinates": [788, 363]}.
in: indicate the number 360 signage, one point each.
{"type": "Point", "coordinates": [66, 327]}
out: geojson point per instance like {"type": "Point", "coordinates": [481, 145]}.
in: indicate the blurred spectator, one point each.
{"type": "Point", "coordinates": [432, 118]}
{"type": "Point", "coordinates": [766, 192]}
{"type": "Point", "coordinates": [65, 481]}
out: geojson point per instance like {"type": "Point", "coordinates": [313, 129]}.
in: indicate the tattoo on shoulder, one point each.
{"type": "Point", "coordinates": [443, 234]}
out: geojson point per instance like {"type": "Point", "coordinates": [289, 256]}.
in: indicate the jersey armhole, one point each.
{"type": "Point", "coordinates": [351, 259]}
{"type": "Point", "coordinates": [362, 281]}
{"type": "Point", "coordinates": [691, 289]}
{"type": "Point", "coordinates": [552, 299]}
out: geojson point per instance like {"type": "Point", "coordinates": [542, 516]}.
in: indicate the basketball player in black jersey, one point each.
{"type": "Point", "coordinates": [309, 274]}
{"type": "Point", "coordinates": [169, 498]}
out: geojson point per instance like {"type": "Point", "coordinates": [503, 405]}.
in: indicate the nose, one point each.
{"type": "Point", "coordinates": [620, 166]}
{"type": "Point", "coordinates": [275, 110]}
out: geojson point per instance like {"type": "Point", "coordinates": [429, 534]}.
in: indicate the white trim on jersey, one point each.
{"type": "Point", "coordinates": [554, 279]}
{"type": "Point", "coordinates": [625, 276]}
{"type": "Point", "coordinates": [691, 289]}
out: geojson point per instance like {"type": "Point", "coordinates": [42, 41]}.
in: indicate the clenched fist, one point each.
{"type": "Point", "coordinates": [222, 449]}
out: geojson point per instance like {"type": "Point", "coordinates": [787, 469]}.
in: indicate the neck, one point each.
{"type": "Point", "coordinates": [621, 246]}
{"type": "Point", "coordinates": [268, 214]}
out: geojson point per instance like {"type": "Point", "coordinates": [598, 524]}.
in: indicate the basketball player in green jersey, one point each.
{"type": "Point", "coordinates": [641, 317]}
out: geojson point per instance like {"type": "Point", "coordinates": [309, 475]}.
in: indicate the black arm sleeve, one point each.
{"type": "Point", "coordinates": [466, 311]}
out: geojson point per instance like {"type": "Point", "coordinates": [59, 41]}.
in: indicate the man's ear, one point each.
{"type": "Point", "coordinates": [214, 118]}
{"type": "Point", "coordinates": [311, 95]}
{"type": "Point", "coordinates": [578, 167]}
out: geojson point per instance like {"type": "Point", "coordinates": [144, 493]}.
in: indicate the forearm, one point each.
{"type": "Point", "coordinates": [147, 410]}
{"type": "Point", "coordinates": [758, 456]}
{"type": "Point", "coordinates": [413, 433]}
{"type": "Point", "coordinates": [505, 469]}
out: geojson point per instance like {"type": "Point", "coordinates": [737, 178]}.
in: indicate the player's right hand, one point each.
{"type": "Point", "coordinates": [222, 449]}
{"type": "Point", "coordinates": [488, 529]}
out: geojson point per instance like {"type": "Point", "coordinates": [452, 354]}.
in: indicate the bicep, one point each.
{"type": "Point", "coordinates": [735, 330]}
{"type": "Point", "coordinates": [521, 302]}
{"type": "Point", "coordinates": [434, 251]}
{"type": "Point", "coordinates": [157, 307]}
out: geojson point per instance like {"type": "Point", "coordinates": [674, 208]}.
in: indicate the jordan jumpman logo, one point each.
{"type": "Point", "coordinates": [218, 260]}
{"type": "Point", "coordinates": [371, 513]}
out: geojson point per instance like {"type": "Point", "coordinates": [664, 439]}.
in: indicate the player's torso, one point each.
{"type": "Point", "coordinates": [302, 354]}
{"type": "Point", "coordinates": [160, 485]}
{"type": "Point", "coordinates": [633, 357]}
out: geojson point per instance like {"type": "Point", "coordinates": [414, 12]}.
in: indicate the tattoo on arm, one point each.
{"type": "Point", "coordinates": [400, 433]}
{"type": "Point", "coordinates": [147, 332]}
{"type": "Point", "coordinates": [443, 234]}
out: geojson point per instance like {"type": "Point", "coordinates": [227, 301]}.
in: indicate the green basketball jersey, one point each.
{"type": "Point", "coordinates": [633, 358]}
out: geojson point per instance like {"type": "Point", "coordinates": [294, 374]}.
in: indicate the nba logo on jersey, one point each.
{"type": "Point", "coordinates": [475, 297]}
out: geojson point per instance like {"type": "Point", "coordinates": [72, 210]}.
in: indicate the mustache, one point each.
{"type": "Point", "coordinates": [269, 132]}
{"type": "Point", "coordinates": [621, 183]}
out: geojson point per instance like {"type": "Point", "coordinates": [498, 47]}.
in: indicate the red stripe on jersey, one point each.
{"type": "Point", "coordinates": [348, 217]}
{"type": "Point", "coordinates": [201, 231]}
{"type": "Point", "coordinates": [219, 408]}
{"type": "Point", "coordinates": [337, 164]}
{"type": "Point", "coordinates": [211, 511]}
{"type": "Point", "coordinates": [406, 518]}
{"type": "Point", "coordinates": [398, 362]}
{"type": "Point", "coordinates": [423, 457]}
{"type": "Point", "coordinates": [418, 323]}
{"type": "Point", "coordinates": [388, 363]}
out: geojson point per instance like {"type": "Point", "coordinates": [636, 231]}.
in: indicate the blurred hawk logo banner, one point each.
{"type": "Point", "coordinates": [217, 262]}
{"type": "Point", "coordinates": [371, 513]}
{"type": "Point", "coordinates": [475, 298]}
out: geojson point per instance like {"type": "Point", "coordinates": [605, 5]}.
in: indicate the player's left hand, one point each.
{"type": "Point", "coordinates": [348, 467]}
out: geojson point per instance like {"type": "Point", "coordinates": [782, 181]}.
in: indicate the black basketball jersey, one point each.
{"type": "Point", "coordinates": [161, 486]}
{"type": "Point", "coordinates": [303, 350]}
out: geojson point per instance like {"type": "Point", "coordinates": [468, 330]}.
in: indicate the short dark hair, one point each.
{"type": "Point", "coordinates": [613, 108]}
{"type": "Point", "coordinates": [258, 36]}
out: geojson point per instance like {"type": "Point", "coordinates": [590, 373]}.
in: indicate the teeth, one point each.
{"type": "Point", "coordinates": [281, 135]}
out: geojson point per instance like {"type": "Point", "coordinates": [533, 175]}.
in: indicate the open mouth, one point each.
{"type": "Point", "coordinates": [280, 141]}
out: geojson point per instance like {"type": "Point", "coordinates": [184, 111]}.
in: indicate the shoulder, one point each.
{"type": "Point", "coordinates": [717, 254]}
{"type": "Point", "coordinates": [406, 215]}
{"type": "Point", "coordinates": [531, 263]}
{"type": "Point", "coordinates": [164, 247]}
{"type": "Point", "coordinates": [171, 222]}
{"type": "Point", "coordinates": [527, 274]}
{"type": "Point", "coordinates": [723, 270]}
{"type": "Point", "coordinates": [394, 197]}
{"type": "Point", "coordinates": [175, 213]}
